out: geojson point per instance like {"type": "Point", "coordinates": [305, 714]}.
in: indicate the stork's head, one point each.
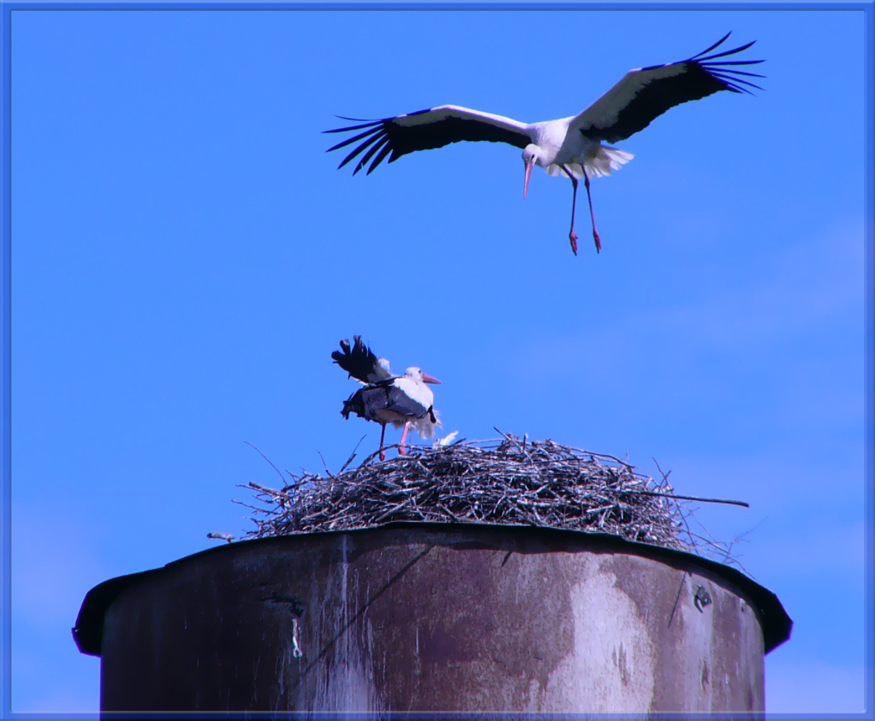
{"type": "Point", "coordinates": [531, 157]}
{"type": "Point", "coordinates": [417, 375]}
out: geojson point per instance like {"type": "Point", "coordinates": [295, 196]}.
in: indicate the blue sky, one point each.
{"type": "Point", "coordinates": [185, 257]}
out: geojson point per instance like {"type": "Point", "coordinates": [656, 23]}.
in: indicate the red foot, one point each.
{"type": "Point", "coordinates": [598, 241]}
{"type": "Point", "coordinates": [401, 451]}
{"type": "Point", "coordinates": [382, 455]}
{"type": "Point", "coordinates": [572, 236]}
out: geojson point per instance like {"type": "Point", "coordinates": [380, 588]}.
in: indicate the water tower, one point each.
{"type": "Point", "coordinates": [435, 616]}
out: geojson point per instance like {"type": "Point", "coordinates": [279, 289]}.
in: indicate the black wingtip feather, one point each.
{"type": "Point", "coordinates": [367, 156]}
{"type": "Point", "coordinates": [724, 54]}
{"type": "Point", "coordinates": [355, 152]}
{"type": "Point", "coordinates": [734, 62]}
{"type": "Point", "coordinates": [731, 80]}
{"type": "Point", "coordinates": [379, 159]}
{"type": "Point", "coordinates": [369, 124]}
{"type": "Point", "coordinates": [715, 45]}
{"type": "Point", "coordinates": [352, 140]}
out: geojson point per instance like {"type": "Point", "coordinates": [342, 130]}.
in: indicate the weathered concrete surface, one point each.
{"type": "Point", "coordinates": [434, 618]}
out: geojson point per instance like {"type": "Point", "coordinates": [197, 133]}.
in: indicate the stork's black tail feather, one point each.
{"type": "Point", "coordinates": [354, 404]}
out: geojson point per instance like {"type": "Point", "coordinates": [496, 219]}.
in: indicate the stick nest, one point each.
{"type": "Point", "coordinates": [510, 481]}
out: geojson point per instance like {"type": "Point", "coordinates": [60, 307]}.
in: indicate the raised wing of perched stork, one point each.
{"type": "Point", "coordinates": [570, 147]}
{"type": "Point", "coordinates": [385, 398]}
{"type": "Point", "coordinates": [360, 362]}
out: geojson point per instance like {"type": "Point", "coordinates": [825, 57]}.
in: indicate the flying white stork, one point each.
{"type": "Point", "coordinates": [385, 398]}
{"type": "Point", "coordinates": [569, 147]}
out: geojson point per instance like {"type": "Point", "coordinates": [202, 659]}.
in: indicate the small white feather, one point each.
{"type": "Point", "coordinates": [446, 440]}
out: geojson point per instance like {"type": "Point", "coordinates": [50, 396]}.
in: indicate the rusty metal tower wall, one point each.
{"type": "Point", "coordinates": [430, 617]}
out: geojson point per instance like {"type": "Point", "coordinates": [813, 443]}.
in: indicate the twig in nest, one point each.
{"type": "Point", "coordinates": [265, 458]}
{"type": "Point", "coordinates": [352, 455]}
{"type": "Point", "coordinates": [325, 465]}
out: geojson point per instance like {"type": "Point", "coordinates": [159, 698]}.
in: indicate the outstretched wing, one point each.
{"type": "Point", "coordinates": [425, 130]}
{"type": "Point", "coordinates": [645, 94]}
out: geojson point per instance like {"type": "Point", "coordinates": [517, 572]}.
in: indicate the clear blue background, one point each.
{"type": "Point", "coordinates": [185, 257]}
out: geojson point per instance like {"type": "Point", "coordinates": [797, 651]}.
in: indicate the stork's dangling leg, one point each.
{"type": "Point", "coordinates": [401, 450]}
{"type": "Point", "coordinates": [382, 438]}
{"type": "Point", "coordinates": [595, 233]}
{"type": "Point", "coordinates": [572, 236]}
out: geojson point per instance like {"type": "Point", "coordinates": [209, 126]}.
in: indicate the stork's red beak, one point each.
{"type": "Point", "coordinates": [529, 167]}
{"type": "Point", "coordinates": [426, 378]}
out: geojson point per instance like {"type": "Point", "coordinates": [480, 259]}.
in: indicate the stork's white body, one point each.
{"type": "Point", "coordinates": [564, 153]}
{"type": "Point", "coordinates": [406, 400]}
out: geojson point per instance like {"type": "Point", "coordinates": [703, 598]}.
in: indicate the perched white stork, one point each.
{"type": "Point", "coordinates": [385, 398]}
{"type": "Point", "coordinates": [569, 147]}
